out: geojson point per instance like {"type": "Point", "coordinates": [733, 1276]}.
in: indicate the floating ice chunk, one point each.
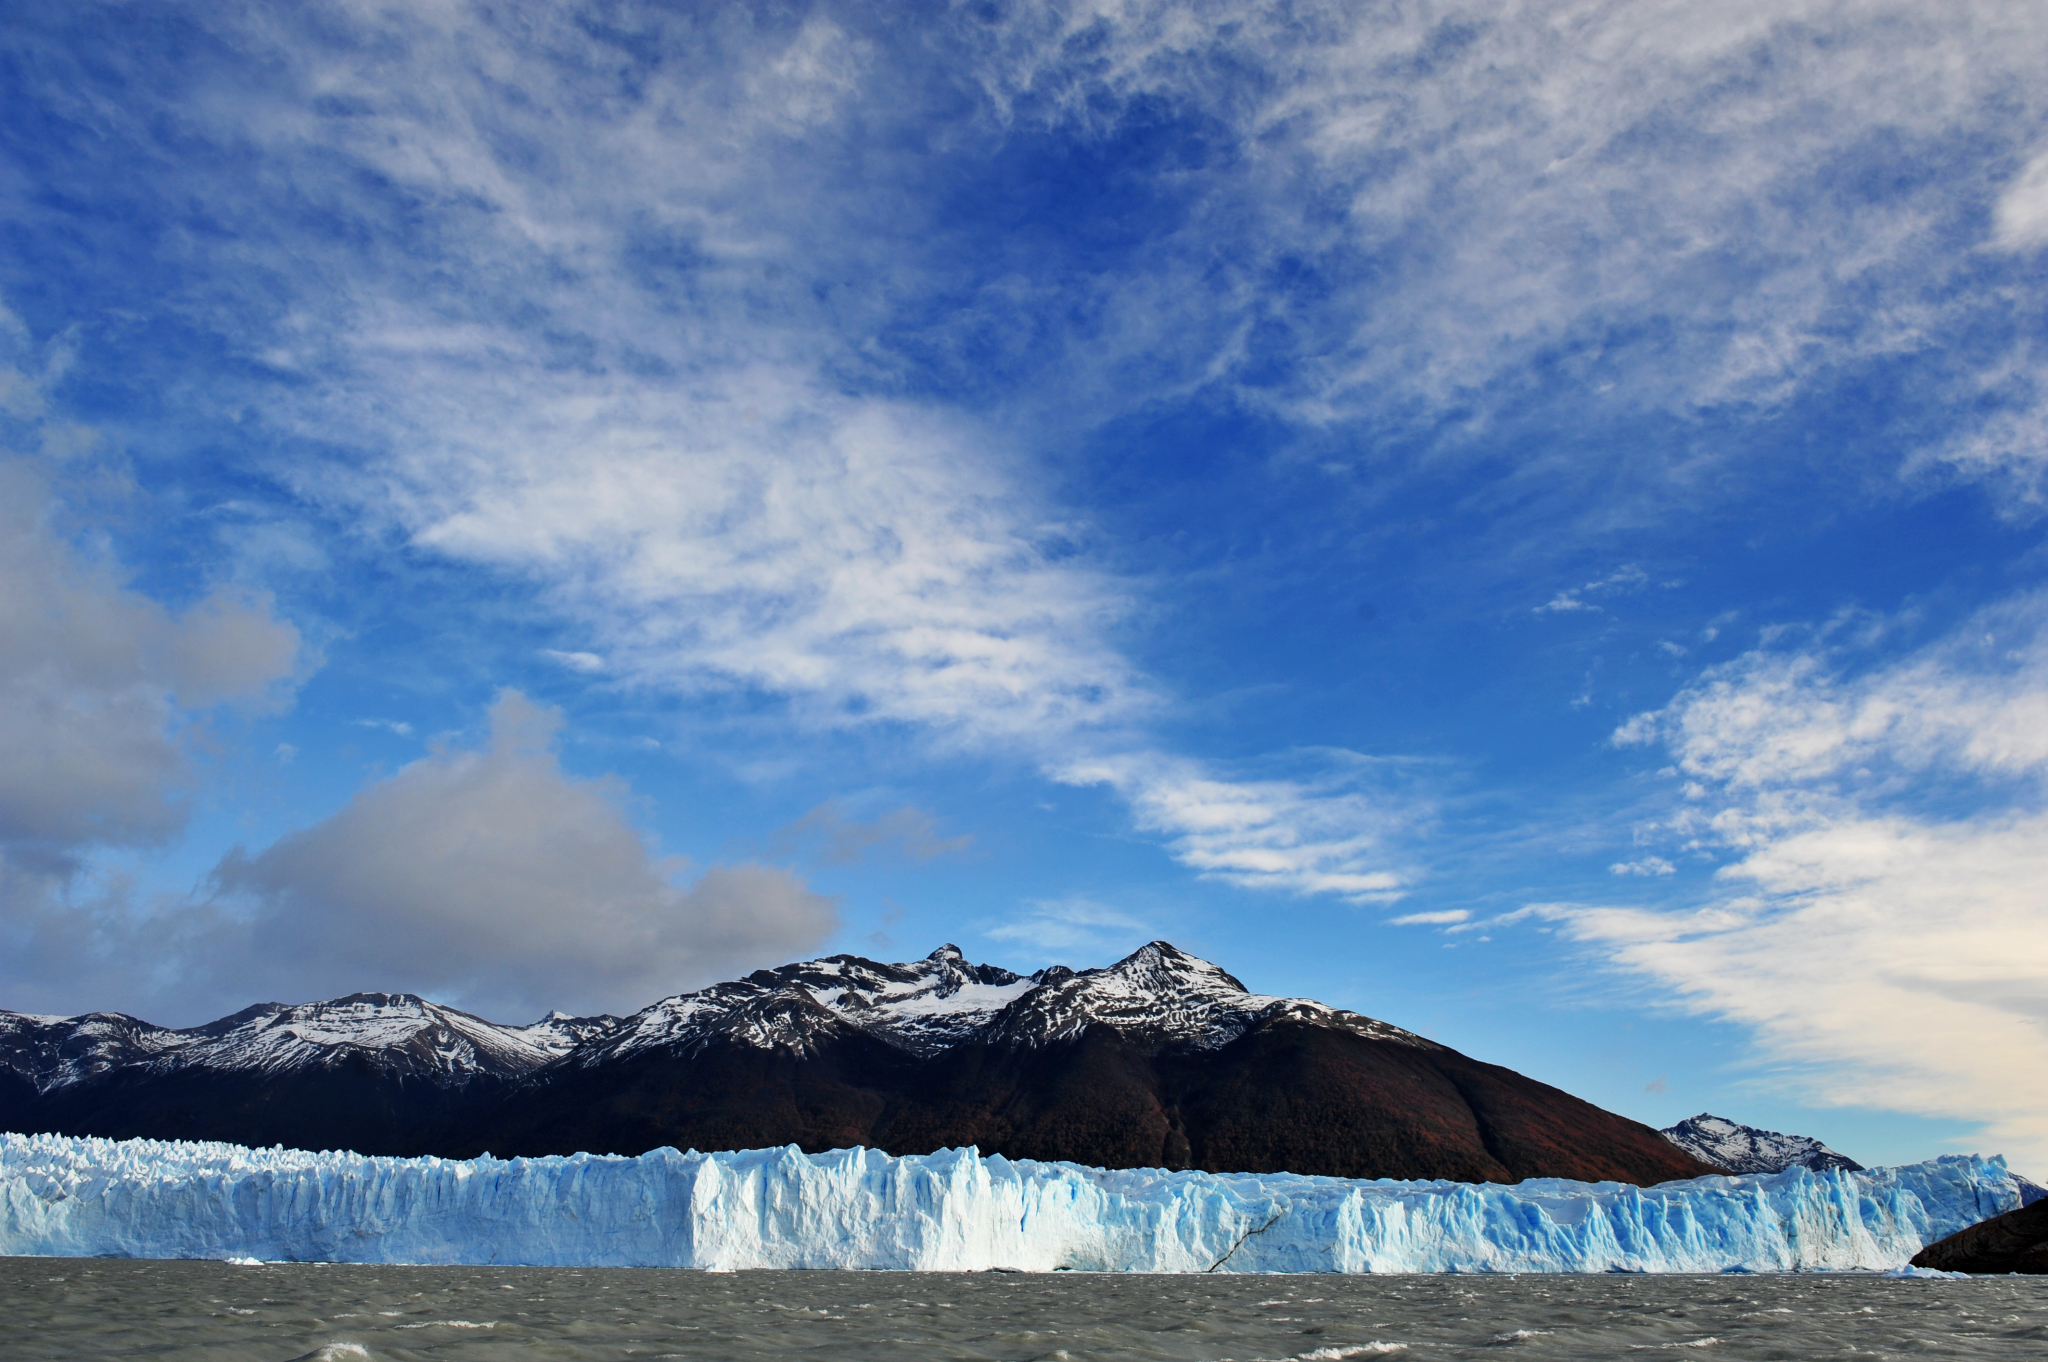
{"type": "Point", "coordinates": [1910, 1271]}
{"type": "Point", "coordinates": [954, 1210]}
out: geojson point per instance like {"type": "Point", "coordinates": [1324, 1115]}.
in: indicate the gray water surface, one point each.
{"type": "Point", "coordinates": [113, 1308]}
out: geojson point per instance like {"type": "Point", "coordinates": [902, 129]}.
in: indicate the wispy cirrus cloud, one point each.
{"type": "Point", "coordinates": [587, 663]}
{"type": "Point", "coordinates": [1441, 918]}
{"type": "Point", "coordinates": [685, 336]}
{"type": "Point", "coordinates": [1573, 599]}
{"type": "Point", "coordinates": [1562, 183]}
{"type": "Point", "coordinates": [1887, 941]}
{"type": "Point", "coordinates": [1325, 832]}
{"type": "Point", "coordinates": [2021, 217]}
{"type": "Point", "coordinates": [637, 393]}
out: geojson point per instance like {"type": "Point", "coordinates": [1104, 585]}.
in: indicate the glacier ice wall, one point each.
{"type": "Point", "coordinates": [953, 1210]}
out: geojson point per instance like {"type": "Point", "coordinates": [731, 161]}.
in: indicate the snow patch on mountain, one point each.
{"type": "Point", "coordinates": [1158, 997]}
{"type": "Point", "coordinates": [1746, 1149]}
{"type": "Point", "coordinates": [950, 1211]}
{"type": "Point", "coordinates": [51, 1052]}
{"type": "Point", "coordinates": [558, 1033]}
{"type": "Point", "coordinates": [394, 1032]}
{"type": "Point", "coordinates": [397, 1031]}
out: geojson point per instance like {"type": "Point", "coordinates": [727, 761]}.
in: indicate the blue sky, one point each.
{"type": "Point", "coordinates": [1526, 523]}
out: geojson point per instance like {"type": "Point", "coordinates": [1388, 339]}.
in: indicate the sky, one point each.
{"type": "Point", "coordinates": [1523, 520]}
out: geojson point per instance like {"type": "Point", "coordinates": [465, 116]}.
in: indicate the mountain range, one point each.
{"type": "Point", "coordinates": [1160, 1060]}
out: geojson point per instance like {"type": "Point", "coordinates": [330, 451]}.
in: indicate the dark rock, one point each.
{"type": "Point", "coordinates": [2014, 1242]}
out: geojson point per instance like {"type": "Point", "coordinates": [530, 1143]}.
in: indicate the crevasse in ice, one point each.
{"type": "Point", "coordinates": [953, 1210]}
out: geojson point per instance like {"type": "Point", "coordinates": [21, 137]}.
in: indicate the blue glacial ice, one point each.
{"type": "Point", "coordinates": [955, 1210]}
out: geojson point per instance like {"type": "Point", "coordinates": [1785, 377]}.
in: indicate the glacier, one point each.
{"type": "Point", "coordinates": [954, 1210]}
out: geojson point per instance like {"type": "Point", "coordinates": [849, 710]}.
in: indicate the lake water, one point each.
{"type": "Point", "coordinates": [106, 1308]}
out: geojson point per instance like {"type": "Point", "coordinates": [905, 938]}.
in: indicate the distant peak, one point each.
{"type": "Point", "coordinates": [949, 951]}
{"type": "Point", "coordinates": [373, 1000]}
{"type": "Point", "coordinates": [1747, 1149]}
{"type": "Point", "coordinates": [1164, 955]}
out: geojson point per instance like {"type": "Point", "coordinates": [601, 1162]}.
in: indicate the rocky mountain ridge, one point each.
{"type": "Point", "coordinates": [1158, 996]}
{"type": "Point", "coordinates": [1161, 1059]}
{"type": "Point", "coordinates": [399, 1033]}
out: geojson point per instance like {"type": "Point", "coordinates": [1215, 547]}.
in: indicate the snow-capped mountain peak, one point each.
{"type": "Point", "coordinates": [1746, 1149]}
{"type": "Point", "coordinates": [399, 1033]}
{"type": "Point", "coordinates": [924, 1006]}
{"type": "Point", "coordinates": [1158, 997]}
{"type": "Point", "coordinates": [1161, 996]}
{"type": "Point", "coordinates": [399, 1029]}
{"type": "Point", "coordinates": [558, 1033]}
{"type": "Point", "coordinates": [53, 1052]}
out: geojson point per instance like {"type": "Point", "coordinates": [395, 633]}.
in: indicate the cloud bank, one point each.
{"type": "Point", "coordinates": [492, 878]}
{"type": "Point", "coordinates": [101, 688]}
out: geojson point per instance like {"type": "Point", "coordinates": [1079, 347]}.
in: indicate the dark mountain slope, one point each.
{"type": "Point", "coordinates": [1161, 1060]}
{"type": "Point", "coordinates": [374, 1072]}
{"type": "Point", "coordinates": [1284, 1096]}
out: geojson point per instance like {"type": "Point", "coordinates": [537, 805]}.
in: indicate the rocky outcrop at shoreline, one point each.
{"type": "Point", "coordinates": [2014, 1242]}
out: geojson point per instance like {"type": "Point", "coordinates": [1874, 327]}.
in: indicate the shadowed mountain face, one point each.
{"type": "Point", "coordinates": [1161, 1060]}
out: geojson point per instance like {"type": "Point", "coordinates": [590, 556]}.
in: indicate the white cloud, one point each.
{"type": "Point", "coordinates": [1790, 733]}
{"type": "Point", "coordinates": [2007, 447]}
{"type": "Point", "coordinates": [1545, 178]}
{"type": "Point", "coordinates": [587, 663]}
{"type": "Point", "coordinates": [2021, 219]}
{"type": "Point", "coordinates": [660, 341]}
{"type": "Point", "coordinates": [1318, 834]}
{"type": "Point", "coordinates": [1630, 578]}
{"type": "Point", "coordinates": [1439, 919]}
{"type": "Point", "coordinates": [1648, 865]}
{"type": "Point", "coordinates": [100, 687]}
{"type": "Point", "coordinates": [861, 558]}
{"type": "Point", "coordinates": [491, 878]}
{"type": "Point", "coordinates": [750, 520]}
{"type": "Point", "coordinates": [1887, 954]}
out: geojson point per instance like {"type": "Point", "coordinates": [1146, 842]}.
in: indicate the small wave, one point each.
{"type": "Point", "coordinates": [336, 1352]}
{"type": "Point", "coordinates": [1517, 1335]}
{"type": "Point", "coordinates": [1355, 1350]}
{"type": "Point", "coordinates": [450, 1324]}
{"type": "Point", "coordinates": [1708, 1342]}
